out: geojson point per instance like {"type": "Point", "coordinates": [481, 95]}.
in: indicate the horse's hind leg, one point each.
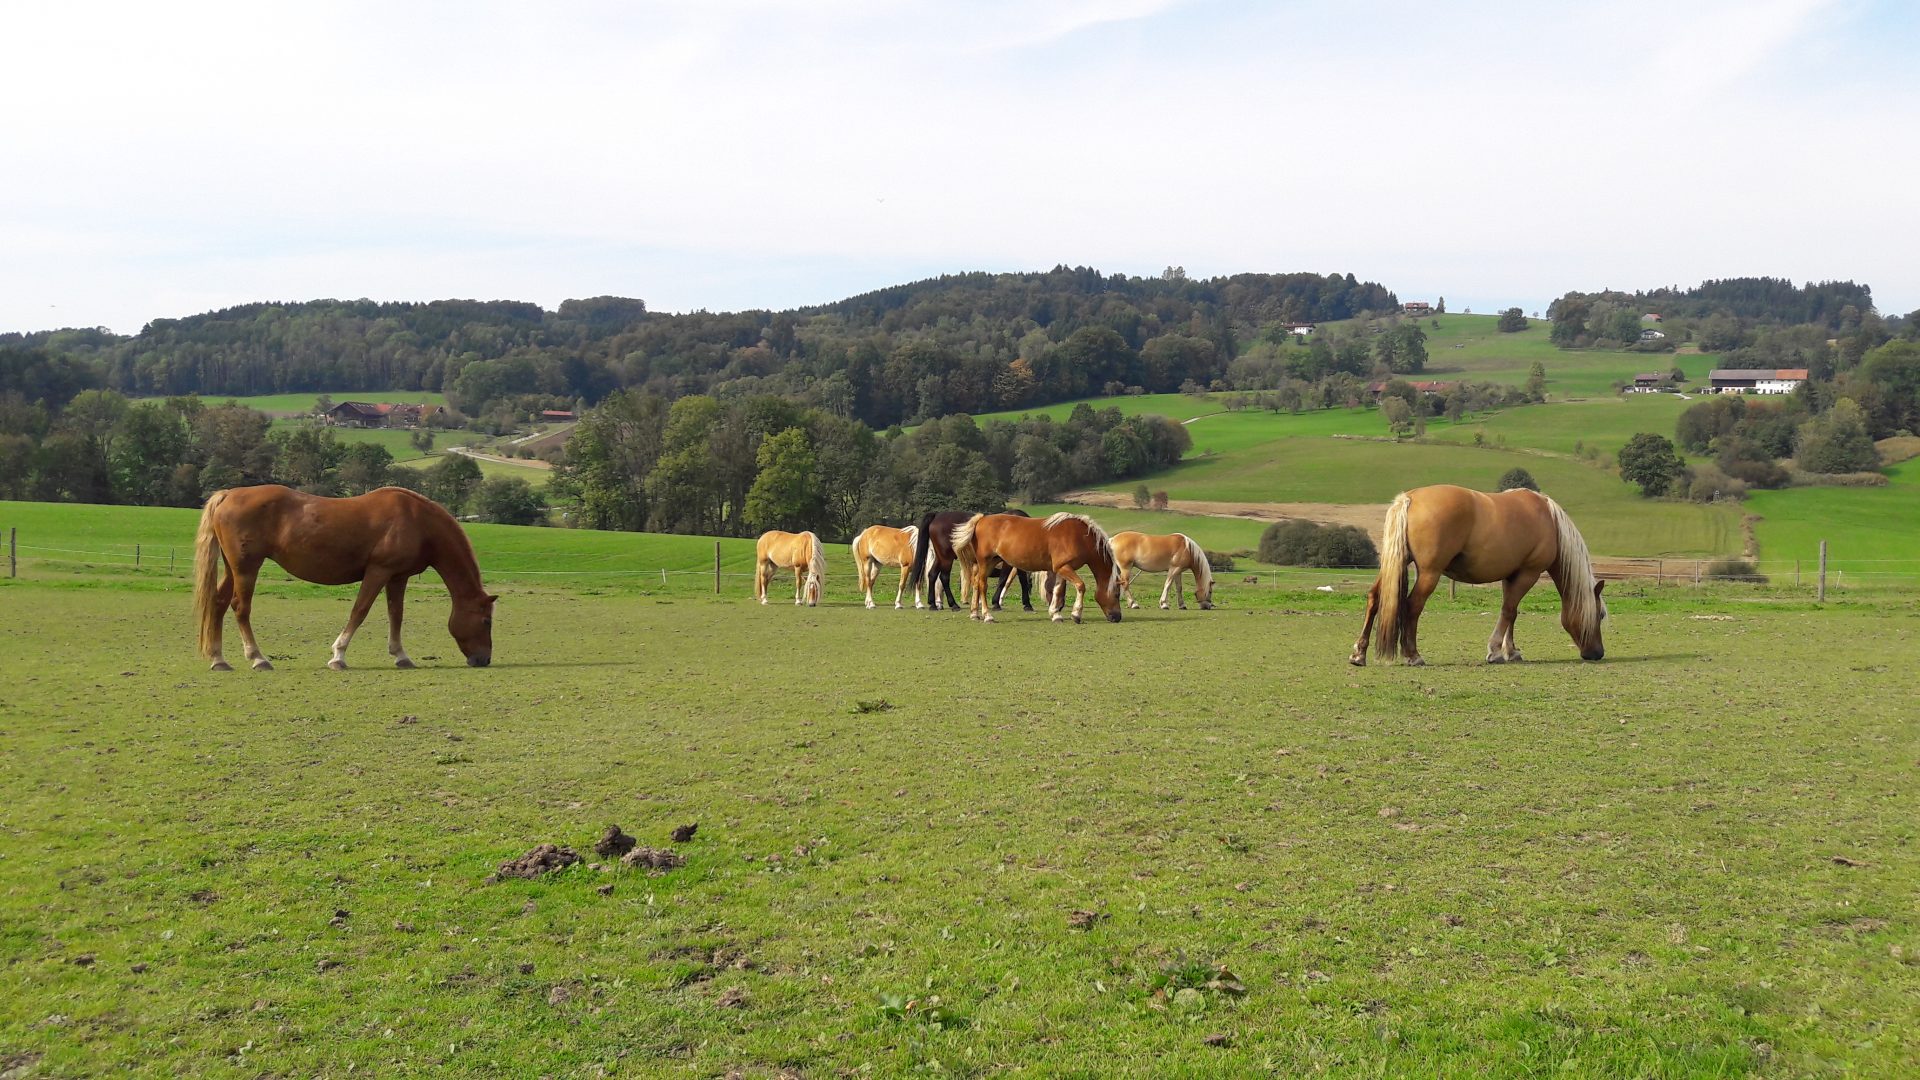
{"type": "Point", "coordinates": [241, 581]}
{"type": "Point", "coordinates": [222, 600]}
{"type": "Point", "coordinates": [906, 568]}
{"type": "Point", "coordinates": [396, 603]}
{"type": "Point", "coordinates": [1423, 587]}
{"type": "Point", "coordinates": [370, 587]}
{"type": "Point", "coordinates": [1358, 658]}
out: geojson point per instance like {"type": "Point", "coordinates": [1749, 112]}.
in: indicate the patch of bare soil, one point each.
{"type": "Point", "coordinates": [1368, 516]}
{"type": "Point", "coordinates": [544, 859]}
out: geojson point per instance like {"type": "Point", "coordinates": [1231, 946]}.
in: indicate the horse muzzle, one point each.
{"type": "Point", "coordinates": [1114, 615]}
{"type": "Point", "coordinates": [479, 660]}
{"type": "Point", "coordinates": [1596, 654]}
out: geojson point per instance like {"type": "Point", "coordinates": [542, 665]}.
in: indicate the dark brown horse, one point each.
{"type": "Point", "coordinates": [933, 560]}
{"type": "Point", "coordinates": [379, 539]}
{"type": "Point", "coordinates": [1057, 546]}
{"type": "Point", "coordinates": [1470, 536]}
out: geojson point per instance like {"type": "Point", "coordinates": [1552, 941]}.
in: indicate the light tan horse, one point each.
{"type": "Point", "coordinates": [884, 545]}
{"type": "Point", "coordinates": [1059, 545]}
{"type": "Point", "coordinates": [1470, 536]}
{"type": "Point", "coordinates": [802, 552]}
{"type": "Point", "coordinates": [379, 539]}
{"type": "Point", "coordinates": [1170, 555]}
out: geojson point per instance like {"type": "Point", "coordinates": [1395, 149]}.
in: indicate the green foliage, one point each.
{"type": "Point", "coordinates": [1307, 543]}
{"type": "Point", "coordinates": [1517, 477]}
{"type": "Point", "coordinates": [1649, 461]}
{"type": "Point", "coordinates": [1537, 381]}
{"type": "Point", "coordinates": [784, 493]}
{"type": "Point", "coordinates": [452, 482]}
{"type": "Point", "coordinates": [1836, 441]}
{"type": "Point", "coordinates": [1220, 562]}
{"type": "Point", "coordinates": [1142, 497]}
{"type": "Point", "coordinates": [1512, 321]}
{"type": "Point", "coordinates": [509, 500]}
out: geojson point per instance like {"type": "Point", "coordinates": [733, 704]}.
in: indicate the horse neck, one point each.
{"type": "Point", "coordinates": [454, 561]}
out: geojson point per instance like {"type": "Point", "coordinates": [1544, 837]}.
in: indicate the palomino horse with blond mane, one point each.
{"type": "Point", "coordinates": [379, 539]}
{"type": "Point", "coordinates": [1470, 536]}
{"type": "Point", "coordinates": [1170, 554]}
{"type": "Point", "coordinates": [933, 558]}
{"type": "Point", "coordinates": [880, 546]}
{"type": "Point", "coordinates": [802, 552]}
{"type": "Point", "coordinates": [1057, 546]}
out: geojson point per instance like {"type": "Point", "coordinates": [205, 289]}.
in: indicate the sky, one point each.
{"type": "Point", "coordinates": [162, 160]}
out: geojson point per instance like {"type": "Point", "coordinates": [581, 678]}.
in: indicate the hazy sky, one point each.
{"type": "Point", "coordinates": [164, 159]}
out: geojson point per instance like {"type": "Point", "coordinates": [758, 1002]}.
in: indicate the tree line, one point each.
{"type": "Point", "coordinates": [957, 343]}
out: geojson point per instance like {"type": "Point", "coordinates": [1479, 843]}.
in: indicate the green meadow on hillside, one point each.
{"type": "Point", "coordinates": [304, 402]}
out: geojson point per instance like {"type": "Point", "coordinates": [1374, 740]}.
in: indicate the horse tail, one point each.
{"type": "Point", "coordinates": [963, 540]}
{"type": "Point", "coordinates": [207, 560]}
{"type": "Point", "coordinates": [1202, 570]}
{"type": "Point", "coordinates": [1573, 571]}
{"type": "Point", "coordinates": [860, 558]}
{"type": "Point", "coordinates": [922, 538]}
{"type": "Point", "coordinates": [1391, 585]}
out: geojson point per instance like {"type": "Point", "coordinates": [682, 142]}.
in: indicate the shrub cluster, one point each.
{"type": "Point", "coordinates": [1307, 543]}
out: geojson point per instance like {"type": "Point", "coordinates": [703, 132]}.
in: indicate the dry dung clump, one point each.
{"type": "Point", "coordinates": [543, 859]}
{"type": "Point", "coordinates": [684, 833]}
{"type": "Point", "coordinates": [652, 859]}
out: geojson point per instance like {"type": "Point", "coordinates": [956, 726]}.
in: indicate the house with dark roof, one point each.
{"type": "Point", "coordinates": [1647, 382]}
{"type": "Point", "coordinates": [1755, 380]}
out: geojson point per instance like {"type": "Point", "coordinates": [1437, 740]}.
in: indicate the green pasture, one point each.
{"type": "Point", "coordinates": [304, 402]}
{"type": "Point", "coordinates": [1606, 421]}
{"type": "Point", "coordinates": [1171, 406]}
{"type": "Point", "coordinates": [1188, 845]}
{"type": "Point", "coordinates": [1213, 533]}
{"type": "Point", "coordinates": [1614, 520]}
{"type": "Point", "coordinates": [1870, 531]}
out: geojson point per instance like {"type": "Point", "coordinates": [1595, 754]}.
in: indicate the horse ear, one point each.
{"type": "Point", "coordinates": [492, 597]}
{"type": "Point", "coordinates": [1599, 585]}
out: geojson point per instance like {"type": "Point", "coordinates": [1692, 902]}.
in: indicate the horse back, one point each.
{"type": "Point", "coordinates": [1477, 537]}
{"type": "Point", "coordinates": [332, 541]}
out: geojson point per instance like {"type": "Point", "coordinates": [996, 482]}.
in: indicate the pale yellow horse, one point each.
{"type": "Point", "coordinates": [1170, 554]}
{"type": "Point", "coordinates": [802, 552]}
{"type": "Point", "coordinates": [884, 545]}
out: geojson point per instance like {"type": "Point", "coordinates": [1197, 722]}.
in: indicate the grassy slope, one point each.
{"type": "Point", "coordinates": [1869, 530]}
{"type": "Point", "coordinates": [304, 402]}
{"type": "Point", "coordinates": [1547, 869]}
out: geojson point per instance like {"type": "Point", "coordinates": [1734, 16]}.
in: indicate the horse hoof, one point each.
{"type": "Point", "coordinates": [1514, 658]}
{"type": "Point", "coordinates": [988, 618]}
{"type": "Point", "coordinates": [870, 605]}
{"type": "Point", "coordinates": [1164, 607]}
{"type": "Point", "coordinates": [1076, 620]}
{"type": "Point", "coordinates": [1496, 658]}
{"type": "Point", "coordinates": [1357, 660]}
{"type": "Point", "coordinates": [1416, 661]}
{"type": "Point", "coordinates": [337, 665]}
{"type": "Point", "coordinates": [403, 662]}
{"type": "Point", "coordinates": [262, 665]}
{"type": "Point", "coordinates": [220, 665]}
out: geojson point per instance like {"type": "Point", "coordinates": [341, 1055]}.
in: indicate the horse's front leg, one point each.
{"type": "Point", "coordinates": [1068, 574]}
{"type": "Point", "coordinates": [370, 587]}
{"type": "Point", "coordinates": [1500, 647]}
{"type": "Point", "coordinates": [396, 603]}
{"type": "Point", "coordinates": [1172, 586]}
{"type": "Point", "coordinates": [797, 574]}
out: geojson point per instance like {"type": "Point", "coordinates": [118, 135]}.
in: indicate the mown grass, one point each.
{"type": "Point", "coordinates": [1623, 869]}
{"type": "Point", "coordinates": [304, 402]}
{"type": "Point", "coordinates": [1870, 531]}
{"type": "Point", "coordinates": [1213, 533]}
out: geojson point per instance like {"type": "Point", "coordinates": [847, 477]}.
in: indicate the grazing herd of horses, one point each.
{"type": "Point", "coordinates": [384, 538]}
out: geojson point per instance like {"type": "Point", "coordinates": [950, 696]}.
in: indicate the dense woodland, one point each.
{"type": "Point", "coordinates": [959, 343]}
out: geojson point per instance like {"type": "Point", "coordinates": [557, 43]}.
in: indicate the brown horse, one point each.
{"type": "Point", "coordinates": [379, 539]}
{"type": "Point", "coordinates": [1170, 554]}
{"type": "Point", "coordinates": [1470, 536]}
{"type": "Point", "coordinates": [802, 552]}
{"type": "Point", "coordinates": [1058, 546]}
{"type": "Point", "coordinates": [933, 558]}
{"type": "Point", "coordinates": [884, 545]}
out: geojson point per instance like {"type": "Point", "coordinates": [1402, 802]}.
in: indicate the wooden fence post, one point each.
{"type": "Point", "coordinates": [1659, 572]}
{"type": "Point", "coordinates": [1820, 591]}
{"type": "Point", "coordinates": [169, 560]}
{"type": "Point", "coordinates": [136, 556]}
{"type": "Point", "coordinates": [13, 552]}
{"type": "Point", "coordinates": [716, 568]}
{"type": "Point", "coordinates": [1796, 573]}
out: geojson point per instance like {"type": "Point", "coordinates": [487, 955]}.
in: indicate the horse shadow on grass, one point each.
{"type": "Point", "coordinates": [1566, 660]}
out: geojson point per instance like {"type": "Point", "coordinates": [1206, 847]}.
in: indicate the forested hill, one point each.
{"type": "Point", "coordinates": [957, 343]}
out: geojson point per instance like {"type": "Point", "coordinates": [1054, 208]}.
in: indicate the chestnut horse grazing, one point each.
{"type": "Point", "coordinates": [883, 545]}
{"type": "Point", "coordinates": [1169, 554]}
{"type": "Point", "coordinates": [933, 560]}
{"type": "Point", "coordinates": [1058, 546]}
{"type": "Point", "coordinates": [1470, 536]}
{"type": "Point", "coordinates": [379, 539]}
{"type": "Point", "coordinates": [802, 552]}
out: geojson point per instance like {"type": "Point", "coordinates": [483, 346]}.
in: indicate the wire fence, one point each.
{"type": "Point", "coordinates": [1765, 578]}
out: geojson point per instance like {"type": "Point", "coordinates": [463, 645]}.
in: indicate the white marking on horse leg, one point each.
{"type": "Point", "coordinates": [1079, 597]}
{"type": "Point", "coordinates": [339, 661]}
{"type": "Point", "coordinates": [1172, 576]}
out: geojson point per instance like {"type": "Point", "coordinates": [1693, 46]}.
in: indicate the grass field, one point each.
{"type": "Point", "coordinates": [1472, 347]}
{"type": "Point", "coordinates": [1682, 862]}
{"type": "Point", "coordinates": [1869, 530]}
{"type": "Point", "coordinates": [304, 402]}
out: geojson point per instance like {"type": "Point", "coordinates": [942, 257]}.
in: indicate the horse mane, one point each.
{"type": "Point", "coordinates": [816, 562]}
{"type": "Point", "coordinates": [1067, 516]}
{"type": "Point", "coordinates": [1202, 570]}
{"type": "Point", "coordinates": [1573, 570]}
{"type": "Point", "coordinates": [913, 537]}
{"type": "Point", "coordinates": [1100, 541]}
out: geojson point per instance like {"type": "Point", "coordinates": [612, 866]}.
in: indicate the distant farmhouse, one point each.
{"type": "Point", "coordinates": [1417, 307]}
{"type": "Point", "coordinates": [1298, 329]}
{"type": "Point", "coordinates": [386, 414]}
{"type": "Point", "coordinates": [1651, 334]}
{"type": "Point", "coordinates": [1755, 380]}
{"type": "Point", "coordinates": [1651, 316]}
{"type": "Point", "coordinates": [1647, 382]}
